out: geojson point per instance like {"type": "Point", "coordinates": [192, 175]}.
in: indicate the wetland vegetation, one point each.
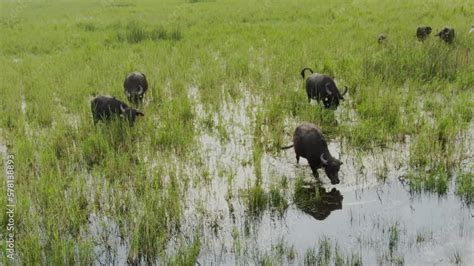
{"type": "Point", "coordinates": [201, 178]}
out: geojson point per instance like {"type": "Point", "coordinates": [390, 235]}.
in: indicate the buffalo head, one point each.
{"type": "Point", "coordinates": [333, 97]}
{"type": "Point", "coordinates": [130, 113]}
{"type": "Point", "coordinates": [331, 167]}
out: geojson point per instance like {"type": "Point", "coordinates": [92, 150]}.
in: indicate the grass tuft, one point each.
{"type": "Point", "coordinates": [136, 32]}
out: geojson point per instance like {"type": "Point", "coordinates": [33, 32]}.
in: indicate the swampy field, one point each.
{"type": "Point", "coordinates": [201, 179]}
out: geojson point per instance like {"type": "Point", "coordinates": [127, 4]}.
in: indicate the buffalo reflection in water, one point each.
{"type": "Point", "coordinates": [315, 201]}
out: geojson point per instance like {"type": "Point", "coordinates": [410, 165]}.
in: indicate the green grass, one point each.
{"type": "Point", "coordinates": [257, 199]}
{"type": "Point", "coordinates": [465, 187]}
{"type": "Point", "coordinates": [55, 55]}
{"type": "Point", "coordinates": [324, 255]}
{"type": "Point", "coordinates": [393, 239]}
{"type": "Point", "coordinates": [187, 254]}
{"type": "Point", "coordinates": [456, 258]}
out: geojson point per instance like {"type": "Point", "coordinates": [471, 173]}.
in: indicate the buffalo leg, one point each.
{"type": "Point", "coordinates": [314, 169]}
{"type": "Point", "coordinates": [318, 96]}
{"type": "Point", "coordinates": [297, 159]}
{"type": "Point", "coordinates": [95, 119]}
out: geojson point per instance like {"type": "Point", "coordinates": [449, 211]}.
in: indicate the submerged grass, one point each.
{"type": "Point", "coordinates": [435, 180]}
{"type": "Point", "coordinates": [325, 256]}
{"type": "Point", "coordinates": [465, 187]}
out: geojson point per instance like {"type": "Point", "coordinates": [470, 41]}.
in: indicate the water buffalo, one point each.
{"type": "Point", "coordinates": [322, 87]}
{"type": "Point", "coordinates": [135, 86]}
{"type": "Point", "coordinates": [423, 32]}
{"type": "Point", "coordinates": [446, 34]}
{"type": "Point", "coordinates": [309, 143]}
{"type": "Point", "coordinates": [382, 38]}
{"type": "Point", "coordinates": [106, 107]}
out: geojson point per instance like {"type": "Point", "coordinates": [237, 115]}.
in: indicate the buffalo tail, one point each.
{"type": "Point", "coordinates": [304, 69]}
{"type": "Point", "coordinates": [287, 147]}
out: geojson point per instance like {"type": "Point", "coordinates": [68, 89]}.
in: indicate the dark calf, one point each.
{"type": "Point", "coordinates": [106, 107]}
{"type": "Point", "coordinates": [322, 87]}
{"type": "Point", "coordinates": [135, 86]}
{"type": "Point", "coordinates": [446, 34]}
{"type": "Point", "coordinates": [423, 32]}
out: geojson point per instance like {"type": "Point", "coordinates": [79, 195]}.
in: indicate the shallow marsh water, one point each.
{"type": "Point", "coordinates": [372, 215]}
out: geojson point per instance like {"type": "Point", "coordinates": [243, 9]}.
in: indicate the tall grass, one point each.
{"type": "Point", "coordinates": [465, 187]}
{"type": "Point", "coordinates": [425, 62]}
{"type": "Point", "coordinates": [135, 32]}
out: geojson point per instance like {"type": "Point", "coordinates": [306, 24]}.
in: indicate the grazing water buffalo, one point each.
{"type": "Point", "coordinates": [446, 34]}
{"type": "Point", "coordinates": [382, 38]}
{"type": "Point", "coordinates": [322, 87]}
{"type": "Point", "coordinates": [309, 143]}
{"type": "Point", "coordinates": [135, 86]}
{"type": "Point", "coordinates": [423, 32]}
{"type": "Point", "coordinates": [106, 107]}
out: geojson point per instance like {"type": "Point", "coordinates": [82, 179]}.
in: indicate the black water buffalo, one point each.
{"type": "Point", "coordinates": [135, 86]}
{"type": "Point", "coordinates": [106, 107]}
{"type": "Point", "coordinates": [322, 87]}
{"type": "Point", "coordinates": [446, 34]}
{"type": "Point", "coordinates": [382, 38]}
{"type": "Point", "coordinates": [423, 32]}
{"type": "Point", "coordinates": [309, 143]}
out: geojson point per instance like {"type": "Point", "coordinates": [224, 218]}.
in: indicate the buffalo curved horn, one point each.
{"type": "Point", "coordinates": [328, 89]}
{"type": "Point", "coordinates": [122, 109]}
{"type": "Point", "coordinates": [324, 161]}
{"type": "Point", "coordinates": [141, 90]}
{"type": "Point", "coordinates": [127, 93]}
